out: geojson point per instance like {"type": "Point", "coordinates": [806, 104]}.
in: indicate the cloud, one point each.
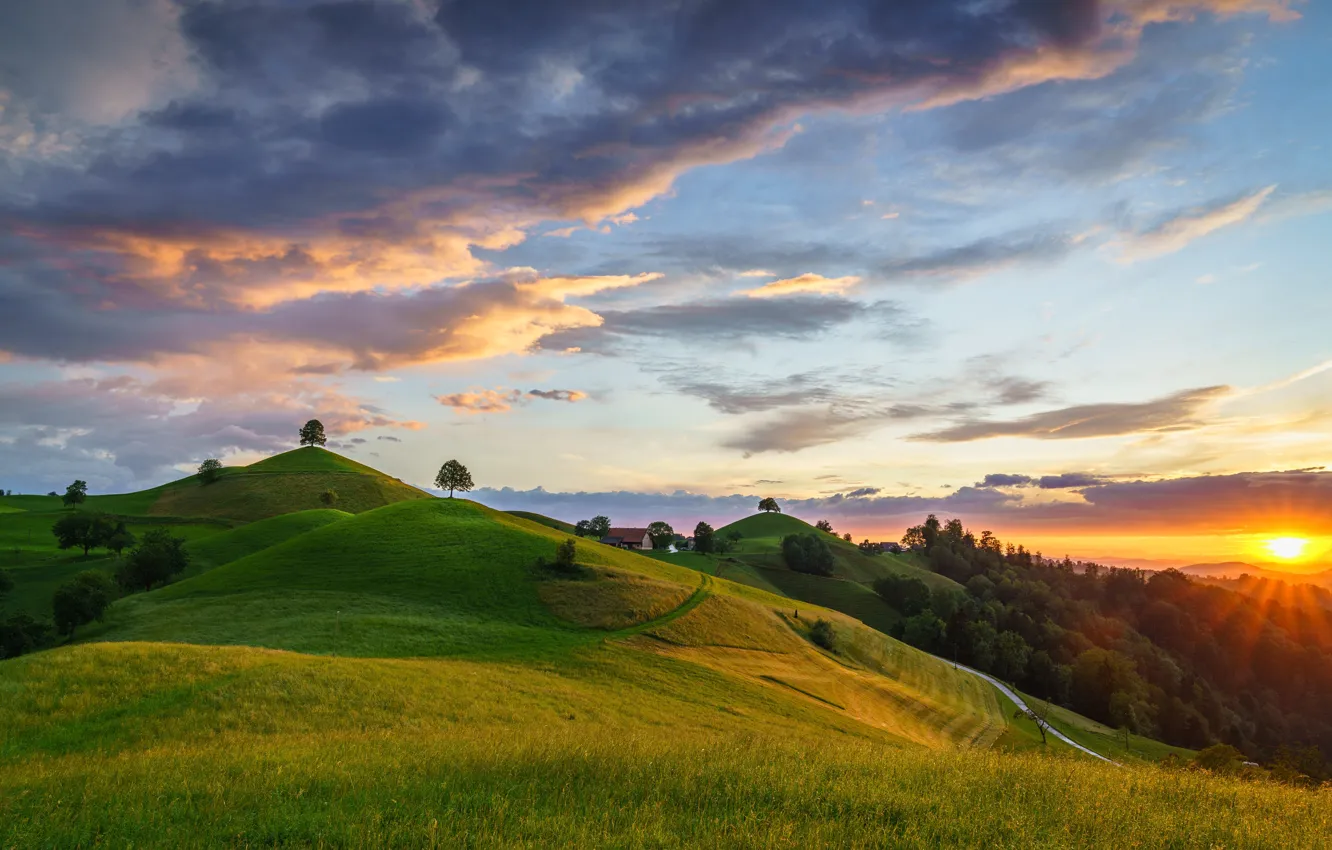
{"type": "Point", "coordinates": [863, 492]}
{"type": "Point", "coordinates": [1179, 230]}
{"type": "Point", "coordinates": [728, 321]}
{"type": "Point", "coordinates": [502, 400]}
{"type": "Point", "coordinates": [1174, 412]}
{"type": "Point", "coordinates": [1243, 503]}
{"type": "Point", "coordinates": [805, 283]}
{"type": "Point", "coordinates": [481, 401]}
{"type": "Point", "coordinates": [999, 479]}
{"type": "Point", "coordinates": [388, 438]}
{"type": "Point", "coordinates": [121, 431]}
{"type": "Point", "coordinates": [558, 395]}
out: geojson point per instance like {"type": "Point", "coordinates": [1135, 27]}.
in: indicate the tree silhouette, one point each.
{"type": "Point", "coordinates": [209, 470]}
{"type": "Point", "coordinates": [454, 476]}
{"type": "Point", "coordinates": [312, 433]}
{"type": "Point", "coordinates": [75, 494]}
{"type": "Point", "coordinates": [769, 505]}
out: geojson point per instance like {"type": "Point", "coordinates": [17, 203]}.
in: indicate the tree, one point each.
{"type": "Point", "coordinates": [769, 505]}
{"type": "Point", "coordinates": [1037, 715]}
{"type": "Point", "coordinates": [75, 494]}
{"type": "Point", "coordinates": [329, 497]}
{"type": "Point", "coordinates": [869, 548]}
{"type": "Point", "coordinates": [599, 526]}
{"type": "Point", "coordinates": [924, 631]}
{"type": "Point", "coordinates": [81, 600]}
{"type": "Point", "coordinates": [454, 476]}
{"type": "Point", "coordinates": [847, 537]}
{"type": "Point", "coordinates": [21, 633]}
{"type": "Point", "coordinates": [312, 433]}
{"type": "Point", "coordinates": [910, 596]}
{"type": "Point", "coordinates": [1011, 655]}
{"type": "Point", "coordinates": [662, 535]}
{"type": "Point", "coordinates": [120, 539]}
{"type": "Point", "coordinates": [583, 528]}
{"type": "Point", "coordinates": [824, 525]}
{"type": "Point", "coordinates": [158, 557]}
{"type": "Point", "coordinates": [808, 553]}
{"type": "Point", "coordinates": [209, 471]}
{"type": "Point", "coordinates": [566, 556]}
{"type": "Point", "coordinates": [704, 538]}
{"type": "Point", "coordinates": [81, 530]}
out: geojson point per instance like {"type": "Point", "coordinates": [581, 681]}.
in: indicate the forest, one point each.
{"type": "Point", "coordinates": [1154, 652]}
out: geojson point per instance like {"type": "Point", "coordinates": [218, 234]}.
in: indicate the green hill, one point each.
{"type": "Point", "coordinates": [756, 560]}
{"type": "Point", "coordinates": [557, 524]}
{"type": "Point", "coordinates": [410, 675]}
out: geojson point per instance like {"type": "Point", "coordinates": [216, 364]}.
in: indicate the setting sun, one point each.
{"type": "Point", "coordinates": [1287, 548]}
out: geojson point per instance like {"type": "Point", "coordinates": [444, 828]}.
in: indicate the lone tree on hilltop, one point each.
{"type": "Point", "coordinates": [312, 433]}
{"type": "Point", "coordinates": [157, 558]}
{"type": "Point", "coordinates": [454, 476]}
{"type": "Point", "coordinates": [824, 525]}
{"type": "Point", "coordinates": [662, 535]}
{"type": "Point", "coordinates": [81, 600]}
{"type": "Point", "coordinates": [704, 538]}
{"type": "Point", "coordinates": [209, 470]}
{"type": "Point", "coordinates": [75, 494]}
{"type": "Point", "coordinates": [82, 531]}
{"type": "Point", "coordinates": [769, 505]}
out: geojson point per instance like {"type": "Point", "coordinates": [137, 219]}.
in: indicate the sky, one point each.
{"type": "Point", "coordinates": [1058, 269]}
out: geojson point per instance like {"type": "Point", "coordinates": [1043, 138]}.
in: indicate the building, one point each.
{"type": "Point", "coordinates": [628, 538]}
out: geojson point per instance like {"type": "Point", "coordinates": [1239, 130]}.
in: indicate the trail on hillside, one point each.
{"type": "Point", "coordinates": [1022, 705]}
{"type": "Point", "coordinates": [703, 591]}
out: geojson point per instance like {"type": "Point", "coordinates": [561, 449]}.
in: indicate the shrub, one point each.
{"type": "Point", "coordinates": [566, 556]}
{"type": "Point", "coordinates": [21, 633]}
{"type": "Point", "coordinates": [329, 497]}
{"type": "Point", "coordinates": [822, 634]}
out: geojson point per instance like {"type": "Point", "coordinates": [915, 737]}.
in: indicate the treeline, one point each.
{"type": "Point", "coordinates": [1157, 653]}
{"type": "Point", "coordinates": [84, 598]}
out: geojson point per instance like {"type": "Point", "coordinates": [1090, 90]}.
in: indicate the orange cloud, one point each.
{"type": "Point", "coordinates": [1178, 232]}
{"type": "Point", "coordinates": [804, 284]}
{"type": "Point", "coordinates": [481, 401]}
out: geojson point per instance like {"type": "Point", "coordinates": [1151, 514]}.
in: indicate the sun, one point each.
{"type": "Point", "coordinates": [1287, 548]}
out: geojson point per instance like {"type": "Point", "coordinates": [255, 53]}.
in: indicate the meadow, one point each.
{"type": "Point", "coordinates": [418, 675]}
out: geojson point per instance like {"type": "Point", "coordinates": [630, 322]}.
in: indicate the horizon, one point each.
{"type": "Point", "coordinates": [1058, 272]}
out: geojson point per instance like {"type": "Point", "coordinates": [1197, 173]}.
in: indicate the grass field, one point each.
{"type": "Point", "coordinates": [409, 676]}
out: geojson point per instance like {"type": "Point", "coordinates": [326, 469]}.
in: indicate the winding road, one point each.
{"type": "Point", "coordinates": [1021, 704]}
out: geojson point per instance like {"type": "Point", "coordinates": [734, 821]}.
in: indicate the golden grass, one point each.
{"type": "Point", "coordinates": [611, 600]}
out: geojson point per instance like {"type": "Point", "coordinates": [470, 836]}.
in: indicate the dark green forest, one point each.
{"type": "Point", "coordinates": [1155, 652]}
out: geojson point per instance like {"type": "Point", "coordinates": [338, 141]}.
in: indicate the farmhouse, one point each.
{"type": "Point", "coordinates": [628, 538]}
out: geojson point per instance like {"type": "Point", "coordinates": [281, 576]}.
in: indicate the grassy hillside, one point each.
{"type": "Point", "coordinates": [757, 561]}
{"type": "Point", "coordinates": [169, 745]}
{"type": "Point", "coordinates": [409, 676]}
{"type": "Point", "coordinates": [557, 524]}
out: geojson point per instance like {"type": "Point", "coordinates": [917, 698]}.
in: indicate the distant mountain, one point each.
{"type": "Point", "coordinates": [1235, 569]}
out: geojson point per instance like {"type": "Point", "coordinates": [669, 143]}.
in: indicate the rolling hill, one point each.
{"type": "Point", "coordinates": [412, 675]}
{"type": "Point", "coordinates": [756, 560]}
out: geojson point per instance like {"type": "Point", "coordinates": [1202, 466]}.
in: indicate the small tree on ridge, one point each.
{"type": "Point", "coordinates": [75, 494]}
{"type": "Point", "coordinates": [769, 505]}
{"type": "Point", "coordinates": [209, 470]}
{"type": "Point", "coordinates": [454, 476]}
